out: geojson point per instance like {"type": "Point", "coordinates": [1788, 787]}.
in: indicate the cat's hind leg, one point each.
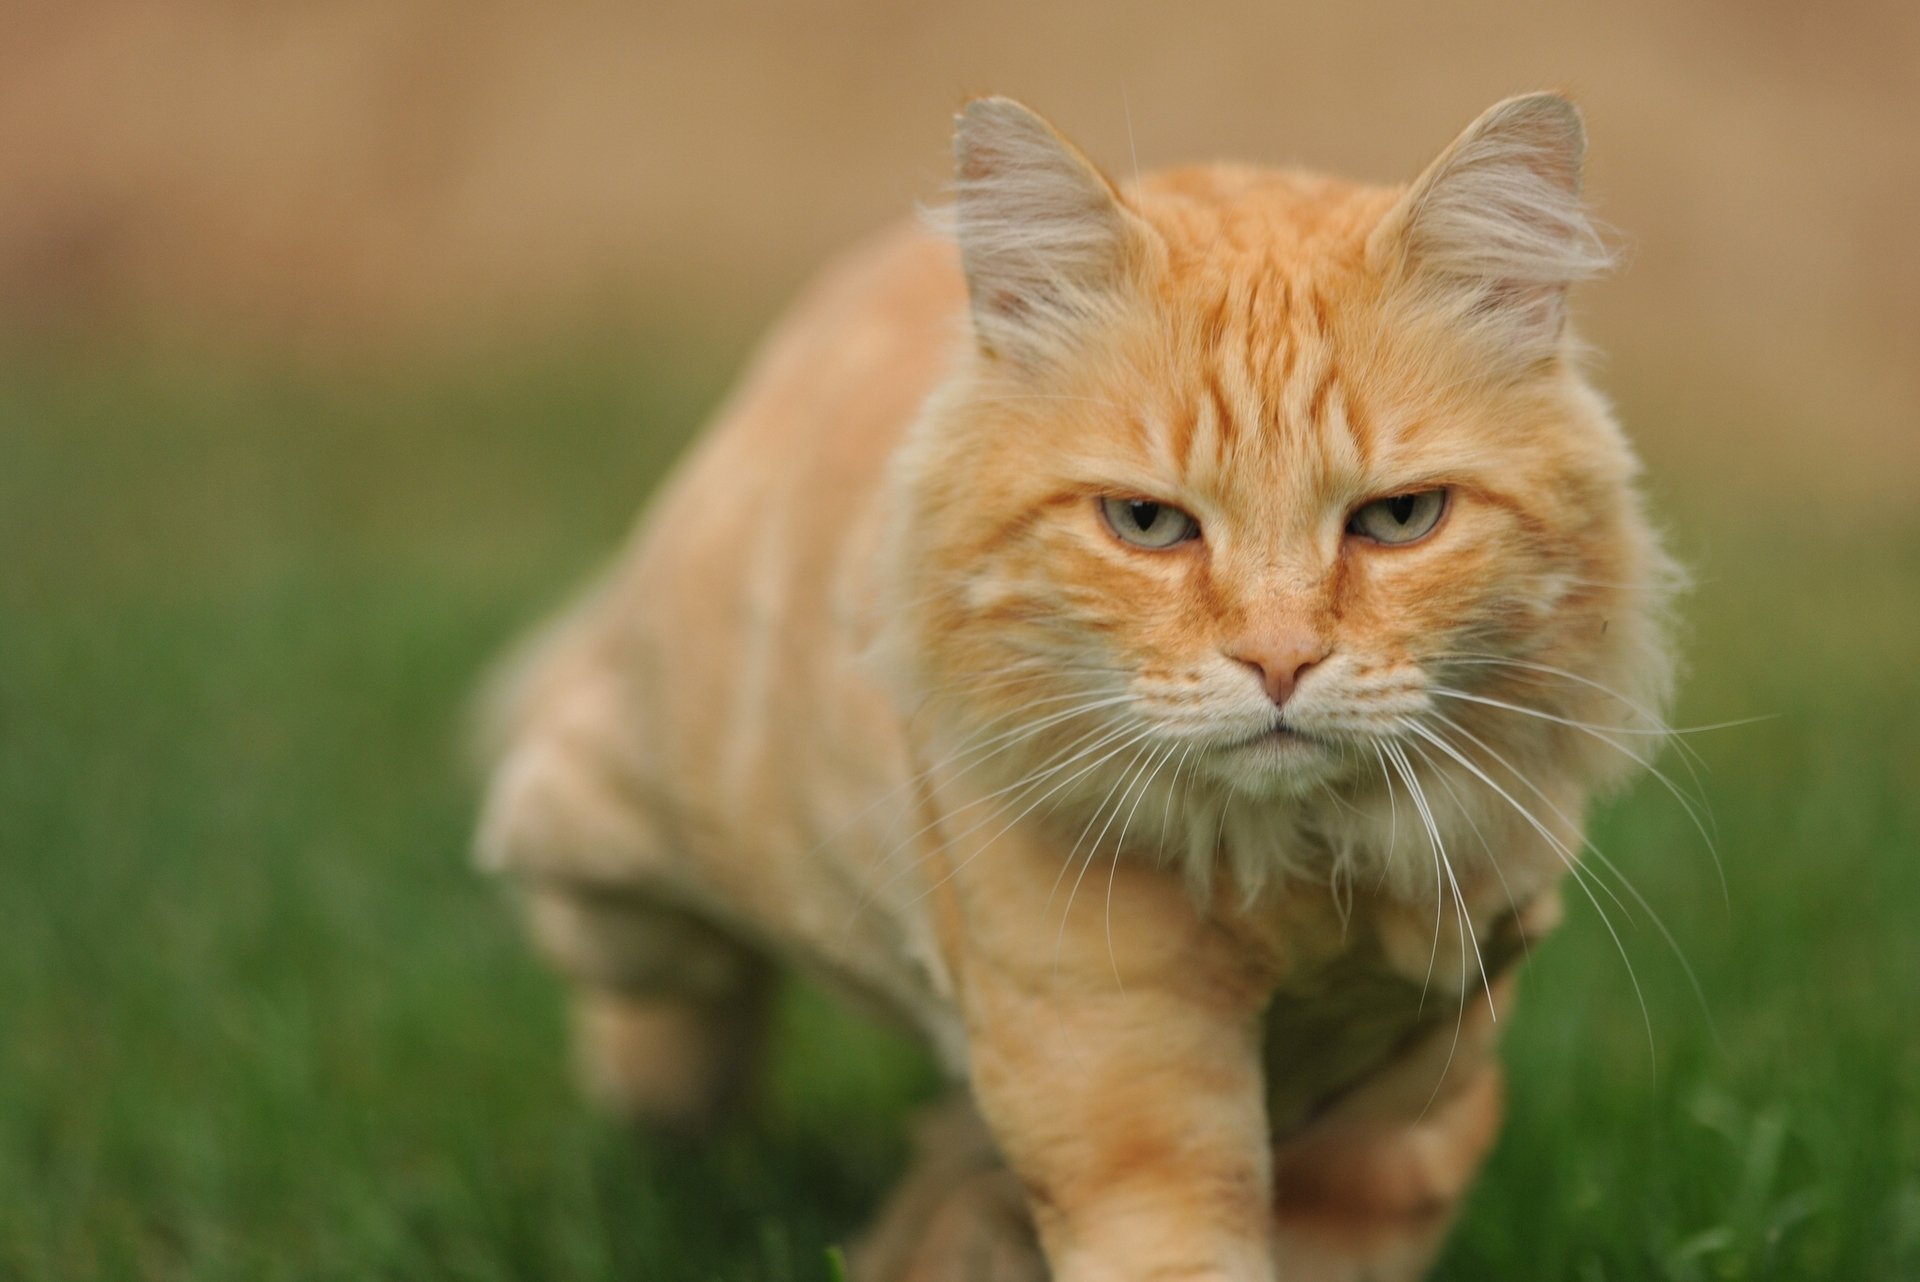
{"type": "Point", "coordinates": [669, 1012]}
{"type": "Point", "coordinates": [668, 1009]}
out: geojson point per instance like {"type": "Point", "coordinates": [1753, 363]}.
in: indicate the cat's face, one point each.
{"type": "Point", "coordinates": [1254, 497]}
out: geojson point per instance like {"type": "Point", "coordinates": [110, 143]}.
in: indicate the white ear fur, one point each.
{"type": "Point", "coordinates": [1495, 229]}
{"type": "Point", "coordinates": [1045, 240]}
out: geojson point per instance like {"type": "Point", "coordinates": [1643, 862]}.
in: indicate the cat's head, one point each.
{"type": "Point", "coordinates": [1270, 482]}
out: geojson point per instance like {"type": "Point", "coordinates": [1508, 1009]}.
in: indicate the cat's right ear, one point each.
{"type": "Point", "coordinates": [1047, 242]}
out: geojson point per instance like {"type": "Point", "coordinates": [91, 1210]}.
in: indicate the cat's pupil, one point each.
{"type": "Point", "coordinates": [1400, 507]}
{"type": "Point", "coordinates": [1144, 514]}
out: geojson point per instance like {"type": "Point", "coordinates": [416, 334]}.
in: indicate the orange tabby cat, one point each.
{"type": "Point", "coordinates": [1156, 652]}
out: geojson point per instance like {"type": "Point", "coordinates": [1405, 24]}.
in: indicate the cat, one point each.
{"type": "Point", "coordinates": [1157, 644]}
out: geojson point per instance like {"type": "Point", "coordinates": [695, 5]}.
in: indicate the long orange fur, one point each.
{"type": "Point", "coordinates": [881, 693]}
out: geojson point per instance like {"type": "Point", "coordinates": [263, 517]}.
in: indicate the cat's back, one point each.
{"type": "Point", "coordinates": [779, 491]}
{"type": "Point", "coordinates": [671, 714]}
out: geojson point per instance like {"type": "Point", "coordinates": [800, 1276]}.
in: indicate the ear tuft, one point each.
{"type": "Point", "coordinates": [1496, 228]}
{"type": "Point", "coordinates": [1045, 239]}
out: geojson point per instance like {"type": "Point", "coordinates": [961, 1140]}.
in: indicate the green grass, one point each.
{"type": "Point", "coordinates": [258, 1019]}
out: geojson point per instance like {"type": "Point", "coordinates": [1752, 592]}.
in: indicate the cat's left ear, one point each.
{"type": "Point", "coordinates": [1048, 244]}
{"type": "Point", "coordinates": [1494, 230]}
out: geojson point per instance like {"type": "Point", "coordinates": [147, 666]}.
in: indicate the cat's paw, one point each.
{"type": "Point", "coordinates": [958, 1215]}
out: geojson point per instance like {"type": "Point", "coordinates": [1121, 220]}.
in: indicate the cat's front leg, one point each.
{"type": "Point", "coordinates": [1114, 1052]}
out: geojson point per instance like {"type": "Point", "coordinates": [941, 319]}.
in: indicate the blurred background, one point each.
{"type": "Point", "coordinates": [337, 341]}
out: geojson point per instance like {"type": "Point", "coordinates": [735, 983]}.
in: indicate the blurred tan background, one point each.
{"type": "Point", "coordinates": [384, 173]}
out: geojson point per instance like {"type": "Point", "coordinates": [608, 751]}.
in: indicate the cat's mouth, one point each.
{"type": "Point", "coordinates": [1279, 760]}
{"type": "Point", "coordinates": [1280, 736]}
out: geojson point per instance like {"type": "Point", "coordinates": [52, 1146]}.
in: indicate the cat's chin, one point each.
{"type": "Point", "coordinates": [1279, 763]}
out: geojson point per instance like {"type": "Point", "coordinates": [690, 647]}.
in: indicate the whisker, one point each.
{"type": "Point", "coordinates": [1659, 923]}
{"type": "Point", "coordinates": [1119, 846]}
{"type": "Point", "coordinates": [1658, 731]}
{"type": "Point", "coordinates": [1007, 741]}
{"type": "Point", "coordinates": [1572, 865]}
{"type": "Point", "coordinates": [1565, 852]}
{"type": "Point", "coordinates": [1393, 806]}
{"type": "Point", "coordinates": [1652, 717]}
{"type": "Point", "coordinates": [1690, 758]}
{"type": "Point", "coordinates": [1493, 861]}
{"type": "Point", "coordinates": [1405, 767]}
{"type": "Point", "coordinates": [1173, 795]}
{"type": "Point", "coordinates": [1601, 734]}
{"type": "Point", "coordinates": [1134, 770]}
{"type": "Point", "coordinates": [1460, 1014]}
{"type": "Point", "coordinates": [1393, 813]}
{"type": "Point", "coordinates": [988, 843]}
{"type": "Point", "coordinates": [1460, 901]}
{"type": "Point", "coordinates": [1035, 780]}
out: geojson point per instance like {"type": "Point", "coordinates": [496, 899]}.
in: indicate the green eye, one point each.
{"type": "Point", "coordinates": [1401, 518]}
{"type": "Point", "coordinates": [1147, 524]}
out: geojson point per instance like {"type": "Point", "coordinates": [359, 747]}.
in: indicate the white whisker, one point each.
{"type": "Point", "coordinates": [1460, 1014]}
{"type": "Point", "coordinates": [1493, 860]}
{"type": "Point", "coordinates": [1659, 923]}
{"type": "Point", "coordinates": [1032, 781]}
{"type": "Point", "coordinates": [1572, 865]}
{"type": "Point", "coordinates": [1134, 771]}
{"type": "Point", "coordinates": [1119, 846]}
{"type": "Point", "coordinates": [1405, 767]}
{"type": "Point", "coordinates": [1460, 905]}
{"type": "Point", "coordinates": [1602, 734]}
{"type": "Point", "coordinates": [1014, 738]}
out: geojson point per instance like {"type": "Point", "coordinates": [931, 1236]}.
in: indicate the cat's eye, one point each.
{"type": "Point", "coordinates": [1399, 518]}
{"type": "Point", "coordinates": [1147, 524]}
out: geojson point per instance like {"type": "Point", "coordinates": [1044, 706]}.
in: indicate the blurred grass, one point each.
{"type": "Point", "coordinates": [258, 1019]}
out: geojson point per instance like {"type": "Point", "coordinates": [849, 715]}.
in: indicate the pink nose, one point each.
{"type": "Point", "coordinates": [1280, 661]}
